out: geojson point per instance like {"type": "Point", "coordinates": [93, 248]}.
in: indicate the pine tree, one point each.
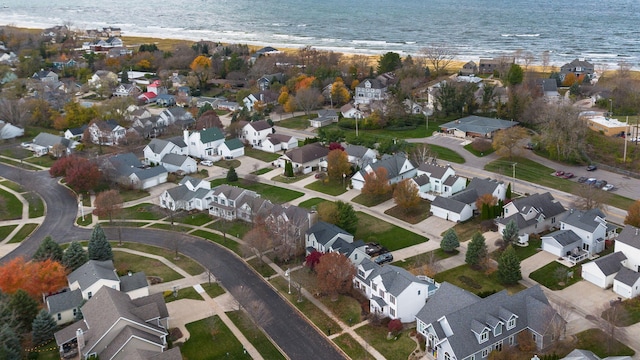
{"type": "Point", "coordinates": [44, 326]}
{"type": "Point", "coordinates": [509, 267]}
{"type": "Point", "coordinates": [510, 233]}
{"type": "Point", "coordinates": [99, 247]}
{"type": "Point", "coordinates": [10, 347]}
{"type": "Point", "coordinates": [477, 250]}
{"type": "Point", "coordinates": [75, 256]}
{"type": "Point", "coordinates": [48, 249]}
{"type": "Point", "coordinates": [288, 169]}
{"type": "Point", "coordinates": [450, 241]}
{"type": "Point", "coordinates": [232, 176]}
{"type": "Point", "coordinates": [347, 217]}
{"type": "Point", "coordinates": [24, 308]}
{"type": "Point", "coordinates": [125, 77]}
{"type": "Point", "coordinates": [484, 212]}
{"type": "Point", "coordinates": [508, 194]}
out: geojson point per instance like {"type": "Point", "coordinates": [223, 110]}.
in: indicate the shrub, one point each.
{"type": "Point", "coordinates": [481, 145]}
{"type": "Point", "coordinates": [394, 326]}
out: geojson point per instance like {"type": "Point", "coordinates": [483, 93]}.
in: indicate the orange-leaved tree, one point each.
{"type": "Point", "coordinates": [200, 67]}
{"type": "Point", "coordinates": [338, 164]}
{"type": "Point", "coordinates": [376, 183]}
{"type": "Point", "coordinates": [633, 214]}
{"type": "Point", "coordinates": [34, 277]}
{"type": "Point", "coordinates": [406, 195]}
{"type": "Point", "coordinates": [335, 274]}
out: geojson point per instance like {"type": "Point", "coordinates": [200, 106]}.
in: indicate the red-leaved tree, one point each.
{"type": "Point", "coordinates": [335, 274]}
{"type": "Point", "coordinates": [79, 173]}
{"type": "Point", "coordinates": [34, 277]}
{"type": "Point", "coordinates": [313, 259]}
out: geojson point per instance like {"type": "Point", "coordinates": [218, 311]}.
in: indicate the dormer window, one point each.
{"type": "Point", "coordinates": [484, 336]}
{"type": "Point", "coordinates": [511, 323]}
{"type": "Point", "coordinates": [497, 330]}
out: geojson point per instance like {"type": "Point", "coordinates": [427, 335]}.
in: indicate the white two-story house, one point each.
{"type": "Point", "coordinates": [106, 132]}
{"type": "Point", "coordinates": [231, 203]}
{"type": "Point", "coordinates": [438, 180]}
{"type": "Point", "coordinates": [190, 194]}
{"type": "Point", "coordinates": [204, 144]}
{"type": "Point", "coordinates": [533, 214]}
{"type": "Point", "coordinates": [255, 132]}
{"type": "Point", "coordinates": [325, 237]}
{"type": "Point", "coordinates": [398, 167]}
{"type": "Point", "coordinates": [158, 148]}
{"type": "Point", "coordinates": [370, 90]}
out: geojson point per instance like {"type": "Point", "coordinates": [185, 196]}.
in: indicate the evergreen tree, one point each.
{"type": "Point", "coordinates": [509, 267]}
{"type": "Point", "coordinates": [75, 256]}
{"type": "Point", "coordinates": [450, 241]}
{"type": "Point", "coordinates": [99, 247]}
{"type": "Point", "coordinates": [347, 217]}
{"type": "Point", "coordinates": [232, 176]}
{"type": "Point", "coordinates": [484, 212]}
{"type": "Point", "coordinates": [510, 233]}
{"type": "Point", "coordinates": [508, 193]}
{"type": "Point", "coordinates": [477, 250]}
{"type": "Point", "coordinates": [24, 308]}
{"type": "Point", "coordinates": [10, 348]}
{"type": "Point", "coordinates": [125, 77]}
{"type": "Point", "coordinates": [288, 169]}
{"type": "Point", "coordinates": [48, 249]}
{"type": "Point", "coordinates": [44, 326]}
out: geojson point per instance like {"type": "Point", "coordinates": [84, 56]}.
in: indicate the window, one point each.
{"type": "Point", "coordinates": [484, 336]}
{"type": "Point", "coordinates": [535, 337]}
{"type": "Point", "coordinates": [511, 340]}
{"type": "Point", "coordinates": [382, 293]}
{"type": "Point", "coordinates": [356, 257]}
{"type": "Point", "coordinates": [498, 330]}
{"type": "Point", "coordinates": [59, 316]}
{"type": "Point", "coordinates": [75, 312]}
{"type": "Point", "coordinates": [447, 356]}
{"type": "Point", "coordinates": [392, 312]}
{"type": "Point", "coordinates": [485, 352]}
{"type": "Point", "coordinates": [419, 292]}
{"type": "Point", "coordinates": [374, 287]}
{"type": "Point", "coordinates": [511, 323]}
{"type": "Point", "coordinates": [360, 273]}
{"type": "Point", "coordinates": [89, 294]}
{"type": "Point", "coordinates": [392, 299]}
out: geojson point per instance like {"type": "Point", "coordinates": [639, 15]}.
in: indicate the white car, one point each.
{"type": "Point", "coordinates": [608, 187]}
{"type": "Point", "coordinates": [206, 162]}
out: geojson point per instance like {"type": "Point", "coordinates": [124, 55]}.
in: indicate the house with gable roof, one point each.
{"type": "Point", "coordinates": [255, 132]}
{"type": "Point", "coordinates": [324, 237]}
{"type": "Point", "coordinates": [46, 76]}
{"type": "Point", "coordinates": [393, 291]}
{"type": "Point", "coordinates": [360, 156]}
{"type": "Point", "coordinates": [231, 148]}
{"type": "Point", "coordinates": [127, 170]}
{"type": "Point", "coordinates": [190, 194]}
{"type": "Point", "coordinates": [533, 214]}
{"type": "Point", "coordinates": [460, 325]}
{"type": "Point", "coordinates": [305, 158]}
{"type": "Point", "coordinates": [582, 234]}
{"type": "Point", "coordinates": [204, 144]}
{"type": "Point", "coordinates": [43, 143]}
{"type": "Point", "coordinates": [179, 163]}
{"type": "Point", "coordinates": [158, 148]}
{"type": "Point", "coordinates": [132, 90]}
{"type": "Point", "coordinates": [476, 126]}
{"type": "Point", "coordinates": [325, 117]}
{"type": "Point", "coordinates": [75, 133]}
{"type": "Point", "coordinates": [116, 327]}
{"type": "Point", "coordinates": [264, 97]}
{"type": "Point", "coordinates": [398, 167]}
{"type": "Point", "coordinates": [460, 206]}
{"type": "Point", "coordinates": [106, 132]}
{"type": "Point", "coordinates": [437, 180]}
{"type": "Point", "coordinates": [579, 354]}
{"type": "Point", "coordinates": [231, 203]}
{"type": "Point", "coordinates": [621, 269]}
{"type": "Point", "coordinates": [579, 67]}
{"type": "Point", "coordinates": [370, 90]}
{"type": "Point", "coordinates": [277, 142]}
{"type": "Point", "coordinates": [176, 115]}
{"type": "Point", "coordinates": [469, 68]}
{"type": "Point", "coordinates": [350, 111]}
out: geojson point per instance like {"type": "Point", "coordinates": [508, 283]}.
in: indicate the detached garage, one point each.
{"type": "Point", "coordinates": [150, 177]}
{"type": "Point", "coordinates": [561, 242]}
{"type": "Point", "coordinates": [602, 271]}
{"type": "Point", "coordinates": [627, 283]}
{"type": "Point", "coordinates": [450, 209]}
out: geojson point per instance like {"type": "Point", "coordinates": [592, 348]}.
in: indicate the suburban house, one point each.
{"type": "Point", "coordinates": [606, 125]}
{"type": "Point", "coordinates": [469, 68]}
{"type": "Point", "coordinates": [289, 222]}
{"type": "Point", "coordinates": [393, 291]}
{"type": "Point", "coordinates": [460, 206]}
{"type": "Point", "coordinates": [476, 126]}
{"type": "Point", "coordinates": [277, 142]}
{"type": "Point", "coordinates": [370, 90]}
{"type": "Point", "coordinates": [127, 170]}
{"type": "Point", "coordinates": [117, 327]}
{"type": "Point", "coordinates": [304, 159]}
{"type": "Point", "coordinates": [106, 132]}
{"type": "Point", "coordinates": [263, 97]}
{"type": "Point", "coordinates": [102, 77]}
{"type": "Point", "coordinates": [158, 148]}
{"type": "Point", "coordinates": [437, 180]}
{"type": "Point", "coordinates": [582, 234]}
{"type": "Point", "coordinates": [488, 66]}
{"type": "Point", "coordinates": [325, 117]}
{"type": "Point", "coordinates": [549, 88]}
{"type": "Point", "coordinates": [44, 143]}
{"type": "Point", "coordinates": [190, 194]}
{"type": "Point", "coordinates": [204, 144]}
{"type": "Point", "coordinates": [621, 269]}
{"type": "Point", "coordinates": [132, 90]}
{"type": "Point", "coordinates": [85, 281]}
{"type": "Point", "coordinates": [75, 133]}
{"type": "Point", "coordinates": [460, 325]}
{"type": "Point", "coordinates": [231, 148]}
{"type": "Point", "coordinates": [325, 237]}
{"type": "Point", "coordinates": [350, 111]}
{"type": "Point", "coordinates": [579, 354]}
{"type": "Point", "coordinates": [165, 100]}
{"type": "Point", "coordinates": [46, 76]}
{"type": "Point", "coordinates": [231, 203]}
{"type": "Point", "coordinates": [179, 163]}
{"type": "Point", "coordinates": [255, 132]}
{"type": "Point", "coordinates": [532, 214]}
{"type": "Point", "coordinates": [265, 81]}
{"type": "Point", "coordinates": [398, 167]}
{"type": "Point", "coordinates": [360, 156]}
{"type": "Point", "coordinates": [176, 115]}
{"type": "Point", "coordinates": [579, 67]}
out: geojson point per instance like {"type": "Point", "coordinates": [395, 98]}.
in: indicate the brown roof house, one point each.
{"type": "Point", "coordinates": [304, 158]}
{"type": "Point", "coordinates": [115, 327]}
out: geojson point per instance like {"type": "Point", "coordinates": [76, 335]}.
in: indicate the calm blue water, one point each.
{"type": "Point", "coordinates": [605, 32]}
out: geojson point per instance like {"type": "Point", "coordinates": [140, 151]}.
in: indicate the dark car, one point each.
{"type": "Point", "coordinates": [600, 183]}
{"type": "Point", "coordinates": [567, 175]}
{"type": "Point", "coordinates": [582, 179]}
{"type": "Point", "coordinates": [372, 248]}
{"type": "Point", "coordinates": [591, 181]}
{"type": "Point", "coordinates": [384, 258]}
{"type": "Point", "coordinates": [592, 168]}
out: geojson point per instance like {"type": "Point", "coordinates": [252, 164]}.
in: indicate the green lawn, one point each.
{"type": "Point", "coordinates": [475, 281]}
{"type": "Point", "coordinates": [308, 204]}
{"type": "Point", "coordinates": [421, 259]}
{"type": "Point", "coordinates": [412, 216]}
{"type": "Point", "coordinates": [10, 206]}
{"type": "Point", "coordinates": [465, 230]}
{"type": "Point", "coordinates": [370, 201]}
{"type": "Point", "coordinates": [228, 243]}
{"type": "Point", "coordinates": [261, 155]}
{"type": "Point", "coordinates": [261, 171]}
{"type": "Point", "coordinates": [183, 293]}
{"type": "Point", "coordinates": [330, 187]}
{"type": "Point", "coordinates": [45, 161]}
{"type": "Point", "coordinates": [289, 180]}
{"type": "Point", "coordinates": [13, 186]}
{"type": "Point", "coordinates": [6, 230]}
{"type": "Point", "coordinates": [210, 331]}
{"type": "Point", "coordinates": [48, 351]}
{"type": "Point", "coordinates": [36, 206]}
{"type": "Point", "coordinates": [144, 211]}
{"type": "Point", "coordinates": [261, 267]}
{"type": "Point", "coordinates": [532, 249]}
{"type": "Point", "coordinates": [213, 290]}
{"type": "Point", "coordinates": [276, 194]}
{"type": "Point", "coordinates": [596, 340]}
{"type": "Point", "coordinates": [469, 148]}
{"type": "Point", "coordinates": [553, 275]}
{"type": "Point", "coordinates": [183, 262]}
{"type": "Point", "coordinates": [125, 262]}
{"type": "Point", "coordinates": [396, 348]}
{"type": "Point", "coordinates": [351, 347]}
{"type": "Point", "coordinates": [299, 122]}
{"type": "Point", "coordinates": [22, 234]}
{"type": "Point", "coordinates": [390, 236]}
{"type": "Point", "coordinates": [446, 154]}
{"type": "Point", "coordinates": [130, 195]}
{"type": "Point", "coordinates": [537, 173]}
{"type": "Point", "coordinates": [345, 308]}
{"type": "Point", "coordinates": [255, 336]}
{"type": "Point", "coordinates": [197, 219]}
{"type": "Point", "coordinates": [226, 164]}
{"type": "Point", "coordinates": [169, 227]}
{"type": "Point", "coordinates": [18, 164]}
{"type": "Point", "coordinates": [237, 228]}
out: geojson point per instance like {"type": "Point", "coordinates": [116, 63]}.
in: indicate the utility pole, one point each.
{"type": "Point", "coordinates": [514, 176]}
{"type": "Point", "coordinates": [626, 132]}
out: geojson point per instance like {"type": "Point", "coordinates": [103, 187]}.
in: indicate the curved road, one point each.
{"type": "Point", "coordinates": [295, 336]}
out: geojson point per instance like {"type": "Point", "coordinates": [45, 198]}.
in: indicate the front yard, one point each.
{"type": "Point", "coordinates": [276, 194]}
{"type": "Point", "coordinates": [329, 187]}
{"type": "Point", "coordinates": [204, 333]}
{"type": "Point", "coordinates": [412, 216]}
{"type": "Point", "coordinates": [390, 236]}
{"type": "Point", "coordinates": [395, 348]}
{"type": "Point", "coordinates": [477, 282]}
{"type": "Point", "coordinates": [556, 276]}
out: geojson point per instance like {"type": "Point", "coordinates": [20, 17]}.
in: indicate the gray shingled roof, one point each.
{"type": "Point", "coordinates": [434, 170]}
{"type": "Point", "coordinates": [260, 125]}
{"type": "Point", "coordinates": [479, 124]}
{"type": "Point", "coordinates": [324, 231]}
{"type": "Point", "coordinates": [307, 153]}
{"type": "Point", "coordinates": [393, 165]}
{"type": "Point", "coordinates": [545, 204]}
{"type": "Point", "coordinates": [630, 235]}
{"type": "Point", "coordinates": [175, 159]}
{"type": "Point", "coordinates": [357, 151]}
{"type": "Point", "coordinates": [422, 179]}
{"type": "Point", "coordinates": [397, 279]}
{"type": "Point", "coordinates": [565, 237]}
{"type": "Point", "coordinates": [92, 271]}
{"type": "Point", "coordinates": [48, 140]}
{"type": "Point", "coordinates": [627, 276]}
{"type": "Point", "coordinates": [64, 301]}
{"type": "Point", "coordinates": [157, 145]}
{"type": "Point", "coordinates": [610, 264]}
{"type": "Point", "coordinates": [483, 186]}
{"type": "Point", "coordinates": [585, 220]}
{"type": "Point", "coordinates": [449, 203]}
{"type": "Point", "coordinates": [133, 282]}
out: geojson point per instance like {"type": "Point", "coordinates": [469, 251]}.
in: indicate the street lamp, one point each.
{"type": "Point", "coordinates": [514, 176]}
{"type": "Point", "coordinates": [287, 274]}
{"type": "Point", "coordinates": [344, 177]}
{"type": "Point", "coordinates": [610, 107]}
{"type": "Point", "coordinates": [357, 117]}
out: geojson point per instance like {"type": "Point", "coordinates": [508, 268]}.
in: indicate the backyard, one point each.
{"type": "Point", "coordinates": [388, 235]}
{"type": "Point", "coordinates": [477, 282]}
{"type": "Point", "coordinates": [556, 276]}
{"type": "Point", "coordinates": [398, 347]}
{"type": "Point", "coordinates": [276, 194]}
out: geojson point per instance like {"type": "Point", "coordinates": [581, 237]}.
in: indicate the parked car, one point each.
{"type": "Point", "coordinates": [206, 162]}
{"type": "Point", "coordinates": [590, 181]}
{"type": "Point", "coordinates": [372, 248]}
{"type": "Point", "coordinates": [384, 258]}
{"type": "Point", "coordinates": [559, 173]}
{"type": "Point", "coordinates": [582, 179]}
{"type": "Point", "coordinates": [567, 175]}
{"type": "Point", "coordinates": [600, 183]}
{"type": "Point", "coordinates": [592, 168]}
{"type": "Point", "coordinates": [608, 187]}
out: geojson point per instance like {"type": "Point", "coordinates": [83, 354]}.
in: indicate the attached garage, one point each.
{"type": "Point", "coordinates": [627, 283]}
{"type": "Point", "coordinates": [450, 209]}
{"type": "Point", "coordinates": [602, 271]}
{"type": "Point", "coordinates": [561, 242]}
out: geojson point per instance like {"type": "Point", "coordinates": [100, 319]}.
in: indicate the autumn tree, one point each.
{"type": "Point", "coordinates": [258, 240]}
{"type": "Point", "coordinates": [108, 204]}
{"type": "Point", "coordinates": [328, 212]}
{"type": "Point", "coordinates": [308, 99]}
{"type": "Point", "coordinates": [35, 277]}
{"type": "Point", "coordinates": [406, 195]}
{"type": "Point", "coordinates": [77, 115]}
{"type": "Point", "coordinates": [477, 250]}
{"type": "Point", "coordinates": [208, 120]}
{"type": "Point", "coordinates": [79, 173]}
{"type": "Point", "coordinates": [485, 203]}
{"type": "Point", "coordinates": [200, 67]}
{"type": "Point", "coordinates": [44, 327]}
{"type": "Point", "coordinates": [313, 259]}
{"type": "Point", "coordinates": [338, 165]}
{"type": "Point", "coordinates": [633, 214]}
{"type": "Point", "coordinates": [509, 267]}
{"type": "Point", "coordinates": [335, 274]}
{"type": "Point", "coordinates": [450, 242]}
{"type": "Point", "coordinates": [339, 93]}
{"type": "Point", "coordinates": [506, 141]}
{"type": "Point", "coordinates": [340, 214]}
{"type": "Point", "coordinates": [376, 183]}
{"type": "Point", "coordinates": [439, 56]}
{"type": "Point", "coordinates": [48, 249]}
{"type": "Point", "coordinates": [99, 248]}
{"type": "Point", "coordinates": [74, 256]}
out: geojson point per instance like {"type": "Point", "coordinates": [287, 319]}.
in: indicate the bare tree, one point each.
{"type": "Point", "coordinates": [545, 60]}
{"type": "Point", "coordinates": [258, 240]}
{"type": "Point", "coordinates": [562, 131]}
{"type": "Point", "coordinates": [528, 58]}
{"type": "Point", "coordinates": [13, 111]}
{"type": "Point", "coordinates": [308, 99]}
{"type": "Point", "coordinates": [422, 153]}
{"type": "Point", "coordinates": [556, 319]}
{"type": "Point", "coordinates": [610, 317]}
{"type": "Point", "coordinates": [589, 197]}
{"type": "Point", "coordinates": [439, 55]}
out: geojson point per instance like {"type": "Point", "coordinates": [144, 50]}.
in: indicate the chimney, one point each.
{"type": "Point", "coordinates": [80, 339]}
{"type": "Point", "coordinates": [185, 135]}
